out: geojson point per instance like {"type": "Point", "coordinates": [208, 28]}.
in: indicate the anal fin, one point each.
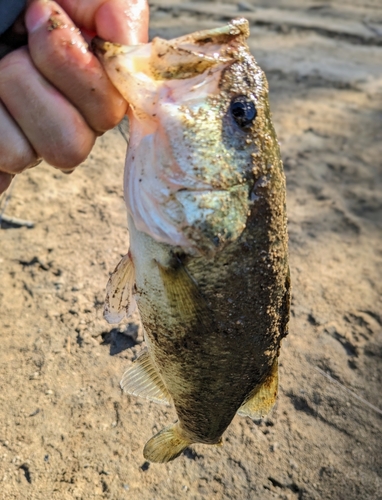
{"type": "Point", "coordinates": [119, 300]}
{"type": "Point", "coordinates": [261, 402]}
{"type": "Point", "coordinates": [143, 380]}
{"type": "Point", "coordinates": [166, 445]}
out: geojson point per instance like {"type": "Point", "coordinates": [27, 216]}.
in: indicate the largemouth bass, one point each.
{"type": "Point", "coordinates": [207, 264]}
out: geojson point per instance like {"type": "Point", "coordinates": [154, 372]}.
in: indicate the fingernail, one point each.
{"type": "Point", "coordinates": [35, 163]}
{"type": "Point", "coordinates": [5, 181]}
{"type": "Point", "coordinates": [37, 15]}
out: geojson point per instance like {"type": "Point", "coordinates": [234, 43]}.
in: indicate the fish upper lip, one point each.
{"type": "Point", "coordinates": [100, 47]}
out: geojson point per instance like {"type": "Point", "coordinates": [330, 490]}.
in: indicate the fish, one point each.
{"type": "Point", "coordinates": [207, 266]}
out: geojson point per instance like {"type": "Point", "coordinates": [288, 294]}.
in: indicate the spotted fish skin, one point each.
{"type": "Point", "coordinates": [213, 291]}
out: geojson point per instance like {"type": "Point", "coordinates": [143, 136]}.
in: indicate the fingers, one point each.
{"type": "Point", "coordinates": [60, 53]}
{"type": "Point", "coordinates": [54, 127]}
{"type": "Point", "coordinates": [119, 21]}
{"type": "Point", "coordinates": [56, 98]}
{"type": "Point", "coordinates": [16, 152]}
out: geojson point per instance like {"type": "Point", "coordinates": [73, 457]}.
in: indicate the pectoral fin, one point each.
{"type": "Point", "coordinates": [119, 301]}
{"type": "Point", "coordinates": [260, 403]}
{"type": "Point", "coordinates": [186, 303]}
{"type": "Point", "coordinates": [143, 380]}
{"type": "Point", "coordinates": [166, 445]}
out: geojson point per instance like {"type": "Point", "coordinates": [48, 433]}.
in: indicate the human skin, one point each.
{"type": "Point", "coordinates": [55, 97]}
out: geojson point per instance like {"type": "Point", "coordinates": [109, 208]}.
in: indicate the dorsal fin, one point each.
{"type": "Point", "coordinates": [143, 380]}
{"type": "Point", "coordinates": [119, 300]}
{"type": "Point", "coordinates": [261, 402]}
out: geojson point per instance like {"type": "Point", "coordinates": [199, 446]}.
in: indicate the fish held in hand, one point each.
{"type": "Point", "coordinates": [207, 265]}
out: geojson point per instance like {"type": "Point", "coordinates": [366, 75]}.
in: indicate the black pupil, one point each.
{"type": "Point", "coordinates": [243, 111]}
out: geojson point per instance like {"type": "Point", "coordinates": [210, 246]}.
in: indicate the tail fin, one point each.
{"type": "Point", "coordinates": [166, 445]}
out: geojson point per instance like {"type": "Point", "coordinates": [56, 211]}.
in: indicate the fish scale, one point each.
{"type": "Point", "coordinates": [208, 261]}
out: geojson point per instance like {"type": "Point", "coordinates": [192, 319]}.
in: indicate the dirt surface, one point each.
{"type": "Point", "coordinates": [67, 432]}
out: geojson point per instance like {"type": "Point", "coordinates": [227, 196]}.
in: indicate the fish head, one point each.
{"type": "Point", "coordinates": [200, 134]}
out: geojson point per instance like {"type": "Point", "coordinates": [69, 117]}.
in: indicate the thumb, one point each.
{"type": "Point", "coordinates": [119, 21]}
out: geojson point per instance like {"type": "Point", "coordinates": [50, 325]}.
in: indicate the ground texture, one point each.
{"type": "Point", "coordinates": [67, 432]}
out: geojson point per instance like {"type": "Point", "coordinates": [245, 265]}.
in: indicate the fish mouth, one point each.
{"type": "Point", "coordinates": [192, 55]}
{"type": "Point", "coordinates": [179, 58]}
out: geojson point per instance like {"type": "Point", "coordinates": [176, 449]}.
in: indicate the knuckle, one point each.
{"type": "Point", "coordinates": [111, 108]}
{"type": "Point", "coordinates": [68, 155]}
{"type": "Point", "coordinates": [13, 65]}
{"type": "Point", "coordinates": [16, 158]}
{"type": "Point", "coordinates": [118, 114]}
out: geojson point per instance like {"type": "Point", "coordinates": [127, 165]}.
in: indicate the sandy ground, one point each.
{"type": "Point", "coordinates": [67, 432]}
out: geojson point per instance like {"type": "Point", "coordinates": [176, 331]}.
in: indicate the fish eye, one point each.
{"type": "Point", "coordinates": [243, 111]}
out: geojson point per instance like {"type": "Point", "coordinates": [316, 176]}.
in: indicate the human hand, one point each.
{"type": "Point", "coordinates": [55, 97]}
